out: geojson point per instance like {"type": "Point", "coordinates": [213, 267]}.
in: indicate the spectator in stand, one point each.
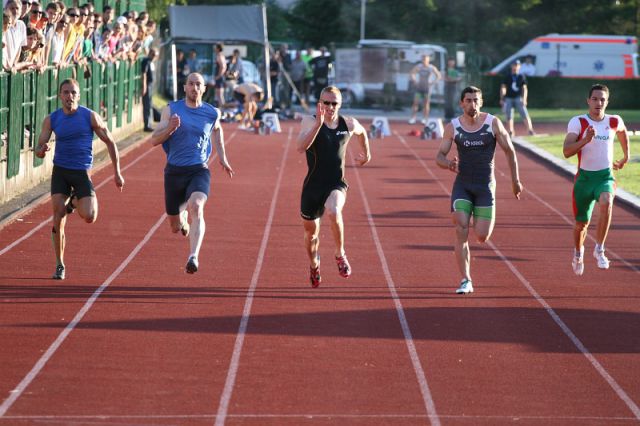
{"type": "Point", "coordinates": [219, 74]}
{"type": "Point", "coordinates": [14, 37]}
{"type": "Point", "coordinates": [31, 53]}
{"type": "Point", "coordinates": [107, 17]}
{"type": "Point", "coordinates": [25, 10]}
{"type": "Point", "coordinates": [75, 30]}
{"type": "Point", "coordinates": [193, 64]}
{"type": "Point", "coordinates": [285, 64]}
{"type": "Point", "coordinates": [274, 71]}
{"type": "Point", "coordinates": [52, 18]}
{"type": "Point", "coordinates": [38, 20]}
{"type": "Point", "coordinates": [150, 29]}
{"type": "Point", "coordinates": [148, 76]}
{"type": "Point", "coordinates": [143, 18]}
{"type": "Point", "coordinates": [87, 54]}
{"type": "Point", "coordinates": [181, 71]}
{"type": "Point", "coordinates": [104, 50]}
{"type": "Point", "coordinates": [234, 69]}
{"type": "Point", "coordinates": [513, 94]}
{"type": "Point", "coordinates": [55, 44]}
{"type": "Point", "coordinates": [96, 38]}
{"type": "Point", "coordinates": [62, 10]}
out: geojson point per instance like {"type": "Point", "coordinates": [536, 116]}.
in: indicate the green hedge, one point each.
{"type": "Point", "coordinates": [556, 92]}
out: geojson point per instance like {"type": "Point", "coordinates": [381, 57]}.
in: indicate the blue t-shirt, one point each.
{"type": "Point", "coordinates": [74, 139]}
{"type": "Point", "coordinates": [190, 144]}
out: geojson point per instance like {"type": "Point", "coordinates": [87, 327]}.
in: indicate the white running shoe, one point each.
{"type": "Point", "coordinates": [412, 121]}
{"type": "Point", "coordinates": [603, 262]}
{"type": "Point", "coordinates": [578, 265]}
{"type": "Point", "coordinates": [466, 287]}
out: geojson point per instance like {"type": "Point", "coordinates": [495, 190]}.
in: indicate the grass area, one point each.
{"type": "Point", "coordinates": [564, 115]}
{"type": "Point", "coordinates": [628, 178]}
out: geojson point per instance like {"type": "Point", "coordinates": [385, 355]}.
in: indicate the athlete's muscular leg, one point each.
{"type": "Point", "coordinates": [426, 107]}
{"type": "Point", "coordinates": [59, 220]}
{"type": "Point", "coordinates": [604, 221]}
{"type": "Point", "coordinates": [311, 240]}
{"type": "Point", "coordinates": [333, 206]}
{"type": "Point", "coordinates": [580, 234]}
{"type": "Point", "coordinates": [463, 255]}
{"type": "Point", "coordinates": [483, 228]}
{"type": "Point", "coordinates": [87, 208]}
{"type": "Point", "coordinates": [195, 206]}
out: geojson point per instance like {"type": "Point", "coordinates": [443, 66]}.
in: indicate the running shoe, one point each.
{"type": "Point", "coordinates": [603, 262]}
{"type": "Point", "coordinates": [314, 276]}
{"type": "Point", "coordinates": [466, 287]}
{"type": "Point", "coordinates": [192, 265]}
{"type": "Point", "coordinates": [69, 205]}
{"type": "Point", "coordinates": [412, 121]}
{"type": "Point", "coordinates": [344, 269]}
{"type": "Point", "coordinates": [578, 265]}
{"type": "Point", "coordinates": [59, 274]}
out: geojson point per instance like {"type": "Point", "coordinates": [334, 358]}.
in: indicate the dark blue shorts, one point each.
{"type": "Point", "coordinates": [478, 199]}
{"type": "Point", "coordinates": [181, 182]}
{"type": "Point", "coordinates": [219, 83]}
{"type": "Point", "coordinates": [63, 180]}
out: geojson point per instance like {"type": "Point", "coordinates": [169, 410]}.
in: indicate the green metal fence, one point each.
{"type": "Point", "coordinates": [26, 99]}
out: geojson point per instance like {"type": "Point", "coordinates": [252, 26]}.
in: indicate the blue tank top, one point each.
{"type": "Point", "coordinates": [190, 144]}
{"type": "Point", "coordinates": [74, 139]}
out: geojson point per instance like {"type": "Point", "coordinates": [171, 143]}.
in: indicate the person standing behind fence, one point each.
{"type": "Point", "coordinates": [71, 187]}
{"type": "Point", "coordinates": [320, 65]}
{"type": "Point", "coordinates": [185, 132]}
{"type": "Point", "coordinates": [451, 79]}
{"type": "Point", "coordinates": [591, 137]}
{"type": "Point", "coordinates": [513, 94]}
{"type": "Point", "coordinates": [423, 76]}
{"type": "Point", "coordinates": [148, 68]}
{"type": "Point", "coordinates": [219, 73]}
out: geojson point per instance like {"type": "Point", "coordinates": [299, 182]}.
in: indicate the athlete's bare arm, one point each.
{"type": "Point", "coordinates": [623, 137]}
{"type": "Point", "coordinates": [43, 139]}
{"type": "Point", "coordinates": [101, 129]}
{"type": "Point", "coordinates": [309, 129]}
{"type": "Point", "coordinates": [356, 129]}
{"type": "Point", "coordinates": [217, 136]}
{"type": "Point", "coordinates": [503, 139]}
{"type": "Point", "coordinates": [572, 145]}
{"type": "Point", "coordinates": [168, 124]}
{"type": "Point", "coordinates": [445, 146]}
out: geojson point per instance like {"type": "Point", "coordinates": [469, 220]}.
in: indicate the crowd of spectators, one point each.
{"type": "Point", "coordinates": [34, 38]}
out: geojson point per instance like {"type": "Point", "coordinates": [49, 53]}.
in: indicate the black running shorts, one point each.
{"type": "Point", "coordinates": [181, 182]}
{"type": "Point", "coordinates": [64, 180]}
{"type": "Point", "coordinates": [313, 199]}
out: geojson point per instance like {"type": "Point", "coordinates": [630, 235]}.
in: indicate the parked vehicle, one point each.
{"type": "Point", "coordinates": [574, 55]}
{"type": "Point", "coordinates": [361, 73]}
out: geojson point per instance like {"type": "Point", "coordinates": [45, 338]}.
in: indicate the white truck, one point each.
{"type": "Point", "coordinates": [361, 73]}
{"type": "Point", "coordinates": [577, 55]}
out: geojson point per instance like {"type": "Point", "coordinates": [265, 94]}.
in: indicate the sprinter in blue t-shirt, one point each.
{"type": "Point", "coordinates": [185, 132]}
{"type": "Point", "coordinates": [71, 186]}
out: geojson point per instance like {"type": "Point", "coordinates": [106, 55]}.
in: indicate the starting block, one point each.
{"type": "Point", "coordinates": [380, 127]}
{"type": "Point", "coordinates": [271, 121]}
{"type": "Point", "coordinates": [434, 129]}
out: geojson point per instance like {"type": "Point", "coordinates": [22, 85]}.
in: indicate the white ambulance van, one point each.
{"type": "Point", "coordinates": [574, 55]}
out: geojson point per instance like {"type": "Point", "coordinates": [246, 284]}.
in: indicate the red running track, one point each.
{"type": "Point", "coordinates": [129, 338]}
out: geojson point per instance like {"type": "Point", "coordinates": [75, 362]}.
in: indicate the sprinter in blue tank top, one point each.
{"type": "Point", "coordinates": [185, 132]}
{"type": "Point", "coordinates": [324, 140]}
{"type": "Point", "coordinates": [71, 187]}
{"type": "Point", "coordinates": [475, 134]}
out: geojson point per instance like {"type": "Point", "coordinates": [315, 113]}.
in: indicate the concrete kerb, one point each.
{"type": "Point", "coordinates": [569, 169]}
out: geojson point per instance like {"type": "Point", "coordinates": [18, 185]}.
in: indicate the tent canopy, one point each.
{"type": "Point", "coordinates": [218, 23]}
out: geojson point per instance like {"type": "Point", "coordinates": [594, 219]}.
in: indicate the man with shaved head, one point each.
{"type": "Point", "coordinates": [185, 132]}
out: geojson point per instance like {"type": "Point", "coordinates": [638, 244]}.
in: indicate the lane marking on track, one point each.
{"type": "Point", "coordinates": [309, 416]}
{"type": "Point", "coordinates": [406, 330]}
{"type": "Point", "coordinates": [570, 221]}
{"type": "Point", "coordinates": [556, 318]}
{"type": "Point", "coordinates": [50, 218]}
{"type": "Point", "coordinates": [24, 383]}
{"type": "Point", "coordinates": [225, 398]}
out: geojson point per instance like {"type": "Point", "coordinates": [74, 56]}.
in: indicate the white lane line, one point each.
{"type": "Point", "coordinates": [556, 318]}
{"type": "Point", "coordinates": [50, 218]}
{"type": "Point", "coordinates": [408, 337]}
{"type": "Point", "coordinates": [225, 398]}
{"type": "Point", "coordinates": [17, 392]}
{"type": "Point", "coordinates": [570, 221]}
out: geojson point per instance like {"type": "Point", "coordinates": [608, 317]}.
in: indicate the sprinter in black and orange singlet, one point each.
{"type": "Point", "coordinates": [324, 139]}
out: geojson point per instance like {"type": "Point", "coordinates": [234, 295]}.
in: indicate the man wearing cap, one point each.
{"type": "Point", "coordinates": [513, 94]}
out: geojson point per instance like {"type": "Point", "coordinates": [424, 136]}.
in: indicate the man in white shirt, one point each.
{"type": "Point", "coordinates": [527, 68]}
{"type": "Point", "coordinates": [15, 36]}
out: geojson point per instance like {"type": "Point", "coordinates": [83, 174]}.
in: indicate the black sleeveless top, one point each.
{"type": "Point", "coordinates": [325, 156]}
{"type": "Point", "coordinates": [476, 151]}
